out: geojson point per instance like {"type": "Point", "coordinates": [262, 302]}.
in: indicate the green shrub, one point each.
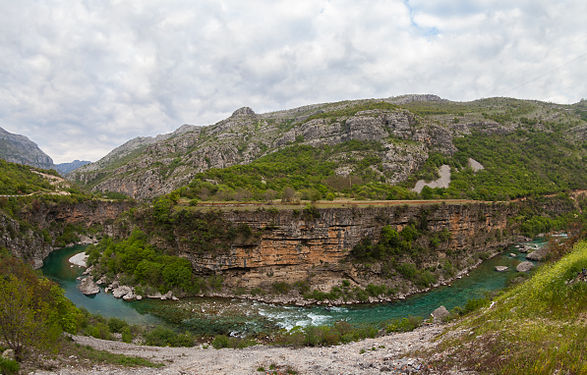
{"type": "Point", "coordinates": [404, 324]}
{"type": "Point", "coordinates": [8, 366]}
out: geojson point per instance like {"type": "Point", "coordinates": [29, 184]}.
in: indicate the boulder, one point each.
{"type": "Point", "coordinates": [524, 266]}
{"type": "Point", "coordinates": [440, 314]}
{"type": "Point", "coordinates": [121, 291]}
{"type": "Point", "coordinates": [166, 296]}
{"type": "Point", "coordinates": [538, 254]}
{"type": "Point", "coordinates": [501, 268]}
{"type": "Point", "coordinates": [88, 287]}
{"type": "Point", "coordinates": [513, 255]}
{"type": "Point", "coordinates": [129, 296]}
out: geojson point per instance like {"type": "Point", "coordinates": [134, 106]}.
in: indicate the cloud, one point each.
{"type": "Point", "coordinates": [82, 77]}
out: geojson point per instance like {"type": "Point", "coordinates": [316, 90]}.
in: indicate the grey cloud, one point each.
{"type": "Point", "coordinates": [82, 77]}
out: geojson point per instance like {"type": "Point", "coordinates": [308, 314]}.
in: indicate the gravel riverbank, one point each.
{"type": "Point", "coordinates": [390, 354]}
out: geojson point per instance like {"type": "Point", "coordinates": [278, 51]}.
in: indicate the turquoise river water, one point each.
{"type": "Point", "coordinates": [208, 315]}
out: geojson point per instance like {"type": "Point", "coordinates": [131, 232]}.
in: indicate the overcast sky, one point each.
{"type": "Point", "coordinates": [82, 77]}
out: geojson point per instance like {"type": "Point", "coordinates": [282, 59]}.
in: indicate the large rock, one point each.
{"type": "Point", "coordinates": [121, 291]}
{"type": "Point", "coordinates": [88, 287]}
{"type": "Point", "coordinates": [524, 266]}
{"type": "Point", "coordinates": [539, 254]}
{"type": "Point", "coordinates": [501, 268]}
{"type": "Point", "coordinates": [440, 314]}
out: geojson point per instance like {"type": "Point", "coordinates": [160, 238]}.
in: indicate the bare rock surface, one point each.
{"type": "Point", "coordinates": [501, 268]}
{"type": "Point", "coordinates": [442, 182]}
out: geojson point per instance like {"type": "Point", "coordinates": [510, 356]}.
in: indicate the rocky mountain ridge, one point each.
{"type": "Point", "coordinates": [19, 149]}
{"type": "Point", "coordinates": [409, 128]}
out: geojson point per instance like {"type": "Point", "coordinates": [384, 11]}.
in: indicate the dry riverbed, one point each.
{"type": "Point", "coordinates": [391, 354]}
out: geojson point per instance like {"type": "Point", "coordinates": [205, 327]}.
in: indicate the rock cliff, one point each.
{"type": "Point", "coordinates": [314, 245]}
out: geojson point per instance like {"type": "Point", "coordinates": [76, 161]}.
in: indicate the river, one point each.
{"type": "Point", "coordinates": [217, 315]}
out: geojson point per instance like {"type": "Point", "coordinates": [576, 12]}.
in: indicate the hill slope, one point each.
{"type": "Point", "coordinates": [533, 147]}
{"type": "Point", "coordinates": [538, 327]}
{"type": "Point", "coordinates": [19, 149]}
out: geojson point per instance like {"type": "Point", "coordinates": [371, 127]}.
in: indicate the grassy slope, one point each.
{"type": "Point", "coordinates": [538, 327]}
{"type": "Point", "coordinates": [18, 179]}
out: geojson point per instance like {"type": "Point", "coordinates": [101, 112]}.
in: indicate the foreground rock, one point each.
{"type": "Point", "coordinates": [88, 287]}
{"type": "Point", "coordinates": [501, 268]}
{"type": "Point", "coordinates": [524, 266]}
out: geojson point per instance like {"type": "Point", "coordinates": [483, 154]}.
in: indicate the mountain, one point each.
{"type": "Point", "coordinates": [19, 149]}
{"type": "Point", "coordinates": [65, 168]}
{"type": "Point", "coordinates": [365, 148]}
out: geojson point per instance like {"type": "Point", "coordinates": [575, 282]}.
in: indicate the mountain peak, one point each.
{"type": "Point", "coordinates": [244, 111]}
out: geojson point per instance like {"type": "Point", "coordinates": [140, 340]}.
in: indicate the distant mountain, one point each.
{"type": "Point", "coordinates": [360, 148]}
{"type": "Point", "coordinates": [65, 168]}
{"type": "Point", "coordinates": [19, 149]}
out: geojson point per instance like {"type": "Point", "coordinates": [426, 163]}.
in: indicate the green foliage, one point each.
{"type": "Point", "coordinates": [16, 179]}
{"type": "Point", "coordinates": [306, 169]}
{"type": "Point", "coordinates": [103, 356]}
{"type": "Point", "coordinates": [223, 341]}
{"type": "Point", "coordinates": [520, 164]}
{"type": "Point", "coordinates": [143, 263]}
{"type": "Point", "coordinates": [391, 243]}
{"type": "Point", "coordinates": [404, 324]}
{"type": "Point", "coordinates": [33, 310]}
{"type": "Point", "coordinates": [161, 336]}
{"type": "Point", "coordinates": [341, 332]}
{"type": "Point", "coordinates": [8, 366]}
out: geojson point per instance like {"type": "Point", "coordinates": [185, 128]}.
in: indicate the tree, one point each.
{"type": "Point", "coordinates": [33, 310]}
{"type": "Point", "coordinates": [289, 195]}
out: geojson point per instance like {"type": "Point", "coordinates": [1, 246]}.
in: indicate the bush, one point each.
{"type": "Point", "coordinates": [8, 366]}
{"type": "Point", "coordinates": [404, 324]}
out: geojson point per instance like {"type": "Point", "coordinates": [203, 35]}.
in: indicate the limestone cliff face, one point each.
{"type": "Point", "coordinates": [295, 245]}
{"type": "Point", "coordinates": [33, 233]}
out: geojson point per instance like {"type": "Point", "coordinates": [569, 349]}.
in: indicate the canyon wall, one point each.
{"type": "Point", "coordinates": [36, 228]}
